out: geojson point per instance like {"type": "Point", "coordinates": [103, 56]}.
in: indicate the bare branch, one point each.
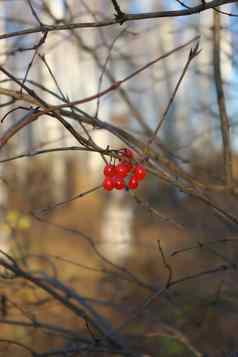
{"type": "Point", "coordinates": [119, 14]}
{"type": "Point", "coordinates": [192, 54]}
{"type": "Point", "coordinates": [166, 265]}
{"type": "Point", "coordinates": [126, 17]}
{"type": "Point", "coordinates": [224, 119]}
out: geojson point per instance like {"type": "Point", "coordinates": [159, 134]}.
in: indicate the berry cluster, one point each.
{"type": "Point", "coordinates": [124, 175]}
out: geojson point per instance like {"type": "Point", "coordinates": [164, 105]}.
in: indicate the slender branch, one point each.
{"type": "Point", "coordinates": [166, 265]}
{"type": "Point", "coordinates": [193, 53]}
{"type": "Point", "coordinates": [34, 13]}
{"type": "Point", "coordinates": [119, 14]}
{"type": "Point", "coordinates": [224, 119]}
{"type": "Point", "coordinates": [19, 344]}
{"type": "Point", "coordinates": [129, 276]}
{"type": "Point", "coordinates": [146, 205]}
{"type": "Point", "coordinates": [69, 298]}
{"type": "Point", "coordinates": [200, 245]}
{"type": "Point", "coordinates": [41, 152]}
{"type": "Point", "coordinates": [126, 17]}
{"type": "Point", "coordinates": [219, 269]}
{"type": "Point", "coordinates": [44, 326]}
{"type": "Point", "coordinates": [116, 7]}
{"type": "Point", "coordinates": [32, 116]}
{"type": "Point", "coordinates": [62, 203]}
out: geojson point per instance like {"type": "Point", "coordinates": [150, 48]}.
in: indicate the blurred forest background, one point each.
{"type": "Point", "coordinates": [150, 272]}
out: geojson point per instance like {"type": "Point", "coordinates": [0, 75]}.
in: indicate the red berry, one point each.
{"type": "Point", "coordinates": [127, 153]}
{"type": "Point", "coordinates": [108, 183]}
{"type": "Point", "coordinates": [133, 183]}
{"type": "Point", "coordinates": [140, 172]}
{"type": "Point", "coordinates": [121, 170]}
{"type": "Point", "coordinates": [128, 165]}
{"type": "Point", "coordinates": [119, 183]}
{"type": "Point", "coordinates": [109, 170]}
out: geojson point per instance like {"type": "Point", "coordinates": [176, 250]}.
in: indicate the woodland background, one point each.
{"type": "Point", "coordinates": [150, 272]}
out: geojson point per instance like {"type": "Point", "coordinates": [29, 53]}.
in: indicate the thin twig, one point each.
{"type": "Point", "coordinates": [166, 265]}
{"type": "Point", "coordinates": [34, 13]}
{"type": "Point", "coordinates": [192, 54]}
{"type": "Point", "coordinates": [62, 203]}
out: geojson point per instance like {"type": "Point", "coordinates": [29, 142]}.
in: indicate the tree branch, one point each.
{"type": "Point", "coordinates": [224, 119]}
{"type": "Point", "coordinates": [126, 17]}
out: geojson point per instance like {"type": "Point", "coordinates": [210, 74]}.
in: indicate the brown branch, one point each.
{"type": "Point", "coordinates": [166, 265]}
{"type": "Point", "coordinates": [19, 344]}
{"type": "Point", "coordinates": [139, 311]}
{"type": "Point", "coordinates": [126, 17]}
{"type": "Point", "coordinates": [54, 109]}
{"type": "Point", "coordinates": [224, 119]}
{"type": "Point", "coordinates": [42, 152]}
{"type": "Point", "coordinates": [128, 275]}
{"type": "Point", "coordinates": [119, 14]}
{"type": "Point", "coordinates": [118, 83]}
{"type": "Point", "coordinates": [146, 205]}
{"type": "Point", "coordinates": [62, 203]}
{"type": "Point", "coordinates": [30, 117]}
{"type": "Point", "coordinates": [192, 54]}
{"type": "Point", "coordinates": [219, 269]}
{"type": "Point", "coordinates": [67, 297]}
{"type": "Point", "coordinates": [172, 332]}
{"type": "Point", "coordinates": [43, 59]}
{"type": "Point", "coordinates": [34, 13]}
{"type": "Point", "coordinates": [200, 245]}
{"type": "Point", "coordinates": [36, 324]}
{"type": "Point", "coordinates": [116, 7]}
{"type": "Point", "coordinates": [30, 91]}
{"type": "Point", "coordinates": [36, 49]}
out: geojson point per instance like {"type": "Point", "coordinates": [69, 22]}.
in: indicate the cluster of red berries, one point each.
{"type": "Point", "coordinates": [124, 175]}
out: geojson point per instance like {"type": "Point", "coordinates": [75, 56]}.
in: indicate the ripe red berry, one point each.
{"type": "Point", "coordinates": [121, 170]}
{"type": "Point", "coordinates": [128, 165]}
{"type": "Point", "coordinates": [133, 183]}
{"type": "Point", "coordinates": [127, 153]}
{"type": "Point", "coordinates": [119, 183]}
{"type": "Point", "coordinates": [109, 170]}
{"type": "Point", "coordinates": [108, 183]}
{"type": "Point", "coordinates": [140, 172]}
